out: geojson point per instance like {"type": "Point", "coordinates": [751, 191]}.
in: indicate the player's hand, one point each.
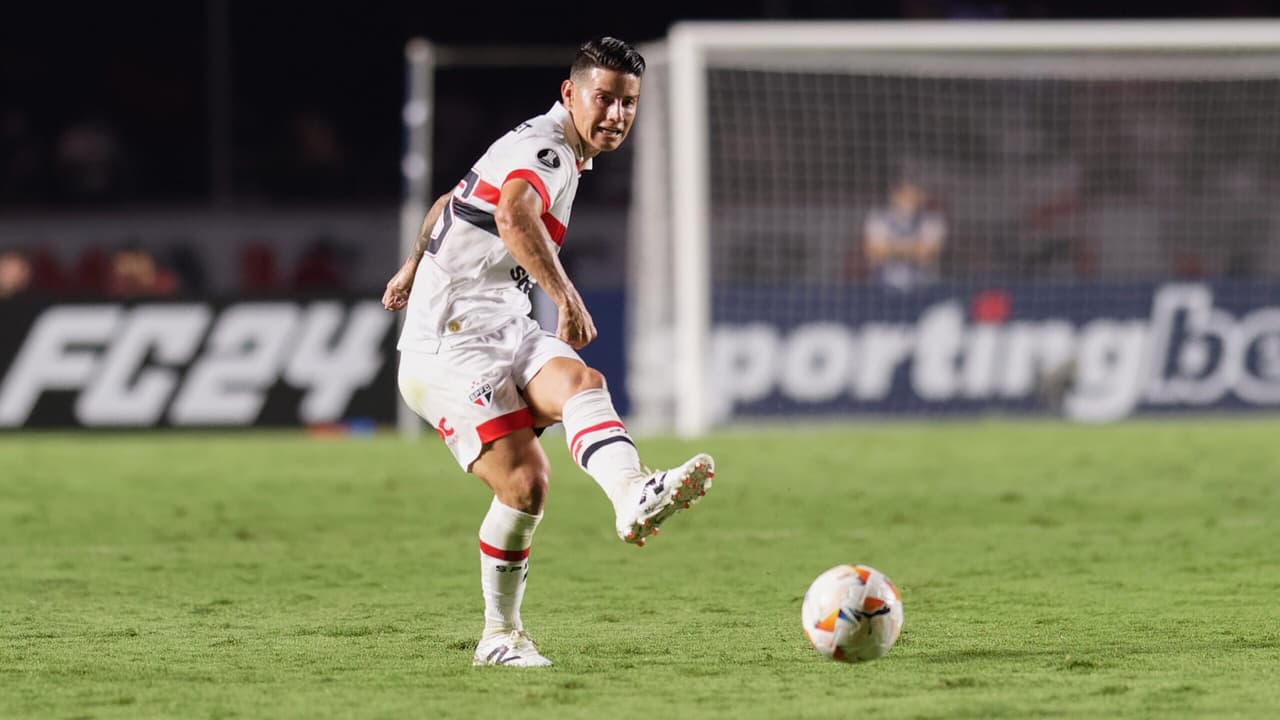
{"type": "Point", "coordinates": [574, 325]}
{"type": "Point", "coordinates": [396, 296]}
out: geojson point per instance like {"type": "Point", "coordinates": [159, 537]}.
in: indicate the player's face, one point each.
{"type": "Point", "coordinates": [908, 198]}
{"type": "Point", "coordinates": [603, 104]}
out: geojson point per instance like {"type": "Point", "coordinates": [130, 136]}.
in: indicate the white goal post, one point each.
{"type": "Point", "coordinates": [746, 66]}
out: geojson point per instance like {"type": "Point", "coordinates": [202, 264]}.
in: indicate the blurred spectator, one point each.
{"type": "Point", "coordinates": [90, 161]}
{"type": "Point", "coordinates": [92, 273]}
{"type": "Point", "coordinates": [135, 273]}
{"type": "Point", "coordinates": [1050, 240]}
{"type": "Point", "coordinates": [319, 268]}
{"type": "Point", "coordinates": [258, 268]}
{"type": "Point", "coordinates": [46, 274]}
{"type": "Point", "coordinates": [188, 267]}
{"type": "Point", "coordinates": [902, 241]}
{"type": "Point", "coordinates": [15, 273]}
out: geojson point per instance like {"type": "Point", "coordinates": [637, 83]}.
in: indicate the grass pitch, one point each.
{"type": "Point", "coordinates": [1047, 570]}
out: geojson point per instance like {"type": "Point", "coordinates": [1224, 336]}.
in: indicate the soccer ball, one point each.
{"type": "Point", "coordinates": [852, 613]}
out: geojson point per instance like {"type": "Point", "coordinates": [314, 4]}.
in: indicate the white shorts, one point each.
{"type": "Point", "coordinates": [469, 390]}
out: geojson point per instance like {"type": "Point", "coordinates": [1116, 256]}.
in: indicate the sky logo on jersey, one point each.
{"type": "Point", "coordinates": [481, 394]}
{"type": "Point", "coordinates": [548, 157]}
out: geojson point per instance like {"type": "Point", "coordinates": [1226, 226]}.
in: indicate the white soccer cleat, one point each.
{"type": "Point", "coordinates": [662, 495]}
{"type": "Point", "coordinates": [513, 648]}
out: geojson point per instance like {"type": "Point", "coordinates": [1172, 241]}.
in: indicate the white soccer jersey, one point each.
{"type": "Point", "coordinates": [467, 282]}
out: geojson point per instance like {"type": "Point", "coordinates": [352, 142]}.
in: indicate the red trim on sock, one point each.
{"type": "Point", "coordinates": [510, 555]}
{"type": "Point", "coordinates": [575, 445]}
{"type": "Point", "coordinates": [503, 425]}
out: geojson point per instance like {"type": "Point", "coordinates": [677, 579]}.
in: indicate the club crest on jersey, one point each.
{"type": "Point", "coordinates": [481, 394]}
{"type": "Point", "coordinates": [548, 157]}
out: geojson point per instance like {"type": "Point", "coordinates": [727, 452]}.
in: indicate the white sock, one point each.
{"type": "Point", "coordinates": [505, 537]}
{"type": "Point", "coordinates": [599, 442]}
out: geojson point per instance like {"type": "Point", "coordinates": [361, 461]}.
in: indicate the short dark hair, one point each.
{"type": "Point", "coordinates": [608, 53]}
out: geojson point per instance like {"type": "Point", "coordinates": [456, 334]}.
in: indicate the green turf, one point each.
{"type": "Point", "coordinates": [1047, 570]}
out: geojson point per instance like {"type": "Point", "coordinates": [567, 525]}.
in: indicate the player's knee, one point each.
{"type": "Point", "coordinates": [527, 487]}
{"type": "Point", "coordinates": [588, 378]}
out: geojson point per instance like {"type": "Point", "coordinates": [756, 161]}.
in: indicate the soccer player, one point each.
{"type": "Point", "coordinates": [487, 377]}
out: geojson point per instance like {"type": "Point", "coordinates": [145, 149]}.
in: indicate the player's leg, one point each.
{"type": "Point", "coordinates": [474, 406]}
{"type": "Point", "coordinates": [516, 469]}
{"type": "Point", "coordinates": [564, 389]}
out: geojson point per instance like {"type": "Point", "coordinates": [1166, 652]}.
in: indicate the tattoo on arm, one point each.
{"type": "Point", "coordinates": [429, 222]}
{"type": "Point", "coordinates": [420, 245]}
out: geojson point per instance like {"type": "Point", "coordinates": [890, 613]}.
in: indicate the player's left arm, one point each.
{"type": "Point", "coordinates": [396, 295]}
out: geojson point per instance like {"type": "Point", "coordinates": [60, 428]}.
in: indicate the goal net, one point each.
{"type": "Point", "coordinates": [833, 220]}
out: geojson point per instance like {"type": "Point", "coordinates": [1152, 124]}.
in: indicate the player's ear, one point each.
{"type": "Point", "coordinates": [566, 93]}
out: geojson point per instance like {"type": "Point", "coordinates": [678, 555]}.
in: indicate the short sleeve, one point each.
{"type": "Point", "coordinates": [544, 164]}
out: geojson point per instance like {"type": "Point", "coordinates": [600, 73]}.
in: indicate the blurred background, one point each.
{"type": "Point", "coordinates": [222, 151]}
{"type": "Point", "coordinates": [250, 147]}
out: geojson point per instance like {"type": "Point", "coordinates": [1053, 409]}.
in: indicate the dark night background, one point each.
{"type": "Point", "coordinates": [313, 91]}
{"type": "Point", "coordinates": [226, 149]}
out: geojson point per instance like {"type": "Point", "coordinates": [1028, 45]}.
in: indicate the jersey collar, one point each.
{"type": "Point", "coordinates": [560, 114]}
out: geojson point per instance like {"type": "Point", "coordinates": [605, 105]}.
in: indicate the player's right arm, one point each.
{"type": "Point", "coordinates": [396, 295]}
{"type": "Point", "coordinates": [519, 219]}
{"type": "Point", "coordinates": [876, 243]}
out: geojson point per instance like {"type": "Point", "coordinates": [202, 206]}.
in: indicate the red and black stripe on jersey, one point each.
{"type": "Point", "coordinates": [474, 186]}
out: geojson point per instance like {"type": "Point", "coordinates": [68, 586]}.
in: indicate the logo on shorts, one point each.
{"type": "Point", "coordinates": [548, 157]}
{"type": "Point", "coordinates": [481, 394]}
{"type": "Point", "coordinates": [444, 430]}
